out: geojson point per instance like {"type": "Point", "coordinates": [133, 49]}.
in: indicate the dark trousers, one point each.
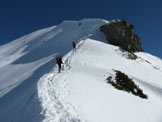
{"type": "Point", "coordinates": [59, 67]}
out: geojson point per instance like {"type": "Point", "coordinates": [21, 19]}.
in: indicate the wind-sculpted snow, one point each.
{"type": "Point", "coordinates": [31, 90]}
{"type": "Point", "coordinates": [55, 40]}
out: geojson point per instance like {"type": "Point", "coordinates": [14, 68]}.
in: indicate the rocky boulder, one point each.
{"type": "Point", "coordinates": [120, 33]}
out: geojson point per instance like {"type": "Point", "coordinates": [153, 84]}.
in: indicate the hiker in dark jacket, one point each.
{"type": "Point", "coordinates": [74, 45]}
{"type": "Point", "coordinates": [59, 62]}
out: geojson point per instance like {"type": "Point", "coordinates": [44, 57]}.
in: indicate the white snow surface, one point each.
{"type": "Point", "coordinates": [31, 89]}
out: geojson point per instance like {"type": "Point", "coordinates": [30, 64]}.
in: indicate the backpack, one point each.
{"type": "Point", "coordinates": [57, 59]}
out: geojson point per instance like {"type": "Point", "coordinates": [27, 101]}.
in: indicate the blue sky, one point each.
{"type": "Point", "coordinates": [20, 17]}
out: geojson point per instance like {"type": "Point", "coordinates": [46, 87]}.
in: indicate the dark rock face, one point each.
{"type": "Point", "coordinates": [120, 33]}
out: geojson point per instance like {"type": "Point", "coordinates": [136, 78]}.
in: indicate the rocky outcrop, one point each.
{"type": "Point", "coordinates": [120, 33]}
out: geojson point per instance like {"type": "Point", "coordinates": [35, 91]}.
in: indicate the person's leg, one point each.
{"type": "Point", "coordinates": [59, 68]}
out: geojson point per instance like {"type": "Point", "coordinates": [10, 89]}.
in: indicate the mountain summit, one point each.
{"type": "Point", "coordinates": [32, 90]}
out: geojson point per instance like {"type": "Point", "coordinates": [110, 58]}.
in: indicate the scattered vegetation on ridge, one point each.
{"type": "Point", "coordinates": [123, 82]}
{"type": "Point", "coordinates": [129, 54]}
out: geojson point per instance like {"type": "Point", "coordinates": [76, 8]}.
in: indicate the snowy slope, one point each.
{"type": "Point", "coordinates": [99, 101]}
{"type": "Point", "coordinates": [31, 90]}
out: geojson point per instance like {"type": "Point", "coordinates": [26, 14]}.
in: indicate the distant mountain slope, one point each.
{"type": "Point", "coordinates": [38, 47]}
{"type": "Point", "coordinates": [31, 90]}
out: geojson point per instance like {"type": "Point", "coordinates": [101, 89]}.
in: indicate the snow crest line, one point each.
{"type": "Point", "coordinates": [53, 93]}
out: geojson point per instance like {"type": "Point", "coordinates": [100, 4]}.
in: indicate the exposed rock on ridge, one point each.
{"type": "Point", "coordinates": [120, 33]}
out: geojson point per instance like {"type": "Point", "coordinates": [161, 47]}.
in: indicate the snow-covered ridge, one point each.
{"type": "Point", "coordinates": [31, 90]}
